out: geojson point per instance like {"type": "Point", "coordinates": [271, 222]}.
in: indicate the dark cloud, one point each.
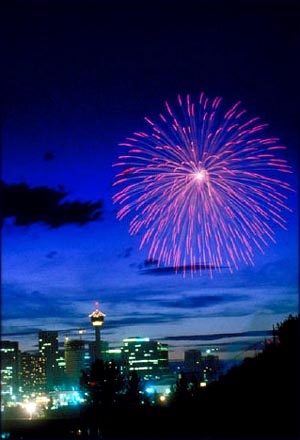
{"type": "Point", "coordinates": [35, 305]}
{"type": "Point", "coordinates": [126, 253]}
{"type": "Point", "coordinates": [142, 320]}
{"type": "Point", "coordinates": [51, 254]}
{"type": "Point", "coordinates": [48, 156]}
{"type": "Point", "coordinates": [76, 321]}
{"type": "Point", "coordinates": [20, 332]}
{"type": "Point", "coordinates": [148, 263]}
{"type": "Point", "coordinates": [45, 205]}
{"type": "Point", "coordinates": [127, 321]}
{"type": "Point", "coordinates": [177, 270]}
{"type": "Point", "coordinates": [215, 336]}
{"type": "Point", "coordinates": [17, 331]}
{"type": "Point", "coordinates": [201, 301]}
{"type": "Point", "coordinates": [283, 272]}
{"type": "Point", "coordinates": [280, 272]}
{"type": "Point", "coordinates": [238, 345]}
{"type": "Point", "coordinates": [285, 303]}
{"type": "Point", "coordinates": [162, 298]}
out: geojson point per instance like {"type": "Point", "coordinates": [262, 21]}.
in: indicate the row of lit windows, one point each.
{"type": "Point", "coordinates": [140, 368]}
{"type": "Point", "coordinates": [152, 361]}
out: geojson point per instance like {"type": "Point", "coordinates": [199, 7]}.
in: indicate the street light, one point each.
{"type": "Point", "coordinates": [30, 408]}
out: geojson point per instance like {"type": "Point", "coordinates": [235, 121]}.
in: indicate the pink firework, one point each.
{"type": "Point", "coordinates": [202, 186]}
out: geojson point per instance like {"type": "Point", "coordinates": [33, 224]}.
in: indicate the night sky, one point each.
{"type": "Point", "coordinates": [79, 77]}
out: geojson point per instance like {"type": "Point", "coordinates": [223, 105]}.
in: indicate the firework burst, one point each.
{"type": "Point", "coordinates": [203, 186]}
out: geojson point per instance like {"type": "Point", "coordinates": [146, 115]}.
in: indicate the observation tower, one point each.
{"type": "Point", "coordinates": [97, 320]}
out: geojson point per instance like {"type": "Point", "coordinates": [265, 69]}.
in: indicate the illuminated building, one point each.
{"type": "Point", "coordinates": [149, 358]}
{"type": "Point", "coordinates": [61, 365]}
{"type": "Point", "coordinates": [9, 369]}
{"type": "Point", "coordinates": [97, 320]}
{"type": "Point", "coordinates": [32, 375]}
{"type": "Point", "coordinates": [48, 349]}
{"type": "Point", "coordinates": [75, 360]}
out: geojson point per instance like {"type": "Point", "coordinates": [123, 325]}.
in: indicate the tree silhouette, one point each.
{"type": "Point", "coordinates": [257, 399]}
{"type": "Point", "coordinates": [104, 383]}
{"type": "Point", "coordinates": [182, 394]}
{"type": "Point", "coordinates": [133, 392]}
{"type": "Point", "coordinates": [262, 394]}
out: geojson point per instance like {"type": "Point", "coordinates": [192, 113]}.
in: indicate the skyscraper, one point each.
{"type": "Point", "coordinates": [75, 360]}
{"type": "Point", "coordinates": [149, 358]}
{"type": "Point", "coordinates": [32, 375]}
{"type": "Point", "coordinates": [48, 348]}
{"type": "Point", "coordinates": [9, 369]}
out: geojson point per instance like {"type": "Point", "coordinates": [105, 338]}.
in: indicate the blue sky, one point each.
{"type": "Point", "coordinates": [79, 80]}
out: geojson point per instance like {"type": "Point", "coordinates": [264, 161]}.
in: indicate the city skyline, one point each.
{"type": "Point", "coordinates": [78, 81]}
{"type": "Point", "coordinates": [203, 343]}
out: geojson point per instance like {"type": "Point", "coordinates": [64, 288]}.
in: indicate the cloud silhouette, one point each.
{"type": "Point", "coordinates": [48, 156]}
{"type": "Point", "coordinates": [126, 253]}
{"type": "Point", "coordinates": [170, 270]}
{"type": "Point", "coordinates": [45, 205]}
{"type": "Point", "coordinates": [201, 301]}
{"type": "Point", "coordinates": [214, 336]}
{"type": "Point", "coordinates": [51, 254]}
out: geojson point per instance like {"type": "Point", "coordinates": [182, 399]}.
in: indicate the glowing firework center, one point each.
{"type": "Point", "coordinates": [201, 175]}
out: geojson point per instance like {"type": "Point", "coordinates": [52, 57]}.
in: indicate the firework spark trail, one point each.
{"type": "Point", "coordinates": [203, 187]}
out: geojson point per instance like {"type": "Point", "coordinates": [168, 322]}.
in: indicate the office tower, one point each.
{"type": "Point", "coordinates": [61, 365]}
{"type": "Point", "coordinates": [97, 320]}
{"type": "Point", "coordinates": [9, 369]}
{"type": "Point", "coordinates": [75, 361]}
{"type": "Point", "coordinates": [32, 374]}
{"type": "Point", "coordinates": [48, 349]}
{"type": "Point", "coordinates": [149, 358]}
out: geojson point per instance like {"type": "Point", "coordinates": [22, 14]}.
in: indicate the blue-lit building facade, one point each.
{"type": "Point", "coordinates": [10, 368]}
{"type": "Point", "coordinates": [147, 357]}
{"type": "Point", "coordinates": [48, 350]}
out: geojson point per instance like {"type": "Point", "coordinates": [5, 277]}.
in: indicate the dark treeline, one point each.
{"type": "Point", "coordinates": [257, 399]}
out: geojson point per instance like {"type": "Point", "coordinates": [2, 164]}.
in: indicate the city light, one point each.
{"type": "Point", "coordinates": [30, 407]}
{"type": "Point", "coordinates": [150, 390]}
